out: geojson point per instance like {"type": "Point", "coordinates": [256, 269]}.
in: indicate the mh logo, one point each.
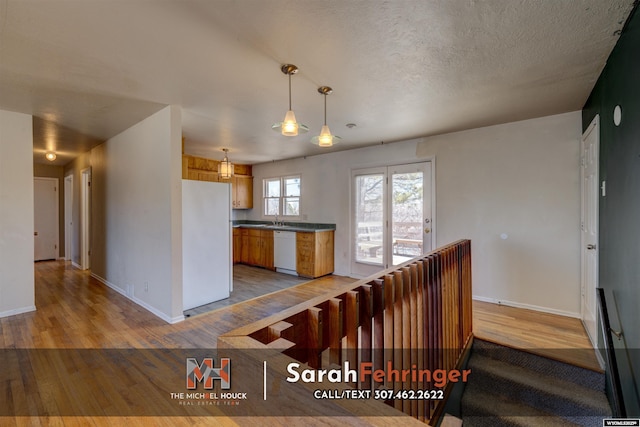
{"type": "Point", "coordinates": [206, 373]}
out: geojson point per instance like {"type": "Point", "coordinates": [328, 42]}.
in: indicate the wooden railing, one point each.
{"type": "Point", "coordinates": [414, 317]}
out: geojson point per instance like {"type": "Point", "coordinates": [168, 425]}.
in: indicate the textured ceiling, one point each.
{"type": "Point", "coordinates": [399, 69]}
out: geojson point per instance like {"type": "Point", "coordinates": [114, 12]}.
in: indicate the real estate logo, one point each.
{"type": "Point", "coordinates": [621, 422]}
{"type": "Point", "coordinates": [206, 373]}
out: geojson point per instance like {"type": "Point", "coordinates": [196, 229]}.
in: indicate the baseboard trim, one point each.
{"type": "Point", "coordinates": [528, 306]}
{"type": "Point", "coordinates": [76, 265]}
{"type": "Point", "coordinates": [20, 310]}
{"type": "Point", "coordinates": [141, 303]}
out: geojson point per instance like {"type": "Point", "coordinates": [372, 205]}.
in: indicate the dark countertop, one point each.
{"type": "Point", "coordinates": [286, 226]}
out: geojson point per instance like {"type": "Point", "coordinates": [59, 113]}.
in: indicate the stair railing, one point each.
{"type": "Point", "coordinates": [617, 401]}
{"type": "Point", "coordinates": [415, 317]}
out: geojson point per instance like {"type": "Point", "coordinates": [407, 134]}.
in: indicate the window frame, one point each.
{"type": "Point", "coordinates": [282, 196]}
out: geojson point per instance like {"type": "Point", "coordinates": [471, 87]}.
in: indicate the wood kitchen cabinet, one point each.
{"type": "Point", "coordinates": [242, 189]}
{"type": "Point", "coordinates": [314, 253]}
{"type": "Point", "coordinates": [237, 245]}
{"type": "Point", "coordinates": [244, 243]}
{"type": "Point", "coordinates": [260, 248]}
{"type": "Point", "coordinates": [202, 169]}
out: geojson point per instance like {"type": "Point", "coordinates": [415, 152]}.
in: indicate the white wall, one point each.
{"type": "Point", "coordinates": [520, 179]}
{"type": "Point", "coordinates": [136, 213]}
{"type": "Point", "coordinates": [16, 214]}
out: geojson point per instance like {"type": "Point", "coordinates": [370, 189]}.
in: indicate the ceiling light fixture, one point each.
{"type": "Point", "coordinates": [325, 139]}
{"type": "Point", "coordinates": [225, 167]}
{"type": "Point", "coordinates": [51, 156]}
{"type": "Point", "coordinates": [289, 127]}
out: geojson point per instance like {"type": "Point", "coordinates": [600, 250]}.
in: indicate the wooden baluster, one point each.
{"type": "Point", "coordinates": [314, 337]}
{"type": "Point", "coordinates": [406, 333]}
{"type": "Point", "coordinates": [417, 345]}
{"type": "Point", "coordinates": [446, 309]}
{"type": "Point", "coordinates": [439, 342]}
{"type": "Point", "coordinates": [366, 308]}
{"type": "Point", "coordinates": [423, 343]}
{"type": "Point", "coordinates": [413, 306]}
{"type": "Point", "coordinates": [389, 326]}
{"type": "Point", "coordinates": [351, 327]}
{"type": "Point", "coordinates": [378, 324]}
{"type": "Point", "coordinates": [398, 331]}
{"type": "Point", "coordinates": [335, 331]}
{"type": "Point", "coordinates": [429, 325]}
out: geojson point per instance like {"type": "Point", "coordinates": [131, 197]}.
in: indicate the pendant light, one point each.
{"type": "Point", "coordinates": [289, 127]}
{"type": "Point", "coordinates": [325, 139]}
{"type": "Point", "coordinates": [225, 167]}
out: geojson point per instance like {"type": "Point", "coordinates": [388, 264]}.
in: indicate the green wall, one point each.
{"type": "Point", "coordinates": [619, 265]}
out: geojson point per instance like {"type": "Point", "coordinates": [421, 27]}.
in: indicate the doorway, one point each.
{"type": "Point", "coordinates": [590, 190]}
{"type": "Point", "coordinates": [392, 216]}
{"type": "Point", "coordinates": [85, 218]}
{"type": "Point", "coordinates": [46, 220]}
{"type": "Point", "coordinates": [68, 216]}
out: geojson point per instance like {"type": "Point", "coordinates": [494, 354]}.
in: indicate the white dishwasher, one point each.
{"type": "Point", "coordinates": [284, 251]}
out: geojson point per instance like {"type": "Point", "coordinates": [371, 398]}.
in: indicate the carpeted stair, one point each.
{"type": "Point", "coordinates": [509, 387]}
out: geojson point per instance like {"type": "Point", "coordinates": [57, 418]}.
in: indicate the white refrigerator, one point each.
{"type": "Point", "coordinates": [207, 262]}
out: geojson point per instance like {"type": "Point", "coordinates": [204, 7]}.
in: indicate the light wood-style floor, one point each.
{"type": "Point", "coordinates": [76, 311]}
{"type": "Point", "coordinates": [249, 283]}
{"type": "Point", "coordinates": [557, 337]}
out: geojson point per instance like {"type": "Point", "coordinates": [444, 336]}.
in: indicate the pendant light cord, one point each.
{"type": "Point", "coordinates": [289, 91]}
{"type": "Point", "coordinates": [325, 109]}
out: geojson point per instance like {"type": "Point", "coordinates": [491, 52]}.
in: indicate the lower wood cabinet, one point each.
{"type": "Point", "coordinates": [237, 245]}
{"type": "Point", "coordinates": [314, 250]}
{"type": "Point", "coordinates": [314, 253]}
{"type": "Point", "coordinates": [260, 248]}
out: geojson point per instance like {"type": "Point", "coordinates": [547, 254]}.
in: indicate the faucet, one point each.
{"type": "Point", "coordinates": [275, 221]}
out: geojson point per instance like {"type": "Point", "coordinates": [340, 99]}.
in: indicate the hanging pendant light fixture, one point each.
{"type": "Point", "coordinates": [325, 139]}
{"type": "Point", "coordinates": [225, 167]}
{"type": "Point", "coordinates": [289, 127]}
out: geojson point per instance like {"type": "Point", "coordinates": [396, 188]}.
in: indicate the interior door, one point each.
{"type": "Point", "coordinates": [68, 216]}
{"type": "Point", "coordinates": [45, 229]}
{"type": "Point", "coordinates": [589, 226]}
{"type": "Point", "coordinates": [392, 219]}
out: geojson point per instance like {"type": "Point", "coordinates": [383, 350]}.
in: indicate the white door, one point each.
{"type": "Point", "coordinates": [68, 216]}
{"type": "Point", "coordinates": [85, 219]}
{"type": "Point", "coordinates": [392, 220]}
{"type": "Point", "coordinates": [589, 225]}
{"type": "Point", "coordinates": [45, 230]}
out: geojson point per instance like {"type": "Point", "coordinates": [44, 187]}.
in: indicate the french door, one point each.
{"type": "Point", "coordinates": [392, 219]}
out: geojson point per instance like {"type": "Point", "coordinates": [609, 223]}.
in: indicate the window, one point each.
{"type": "Point", "coordinates": [282, 196]}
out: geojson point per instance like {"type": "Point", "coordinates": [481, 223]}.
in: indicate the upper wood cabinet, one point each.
{"type": "Point", "coordinates": [242, 187]}
{"type": "Point", "coordinates": [202, 169]}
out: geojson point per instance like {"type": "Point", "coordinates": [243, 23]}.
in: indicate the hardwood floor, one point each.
{"type": "Point", "coordinates": [248, 283]}
{"type": "Point", "coordinates": [74, 311]}
{"type": "Point", "coordinates": [557, 337]}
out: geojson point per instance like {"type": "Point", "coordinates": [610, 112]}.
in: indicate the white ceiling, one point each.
{"type": "Point", "coordinates": [399, 68]}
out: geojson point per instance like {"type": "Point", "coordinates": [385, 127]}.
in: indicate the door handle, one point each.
{"type": "Point", "coordinates": [591, 247]}
{"type": "Point", "coordinates": [35, 233]}
{"type": "Point", "coordinates": [427, 230]}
